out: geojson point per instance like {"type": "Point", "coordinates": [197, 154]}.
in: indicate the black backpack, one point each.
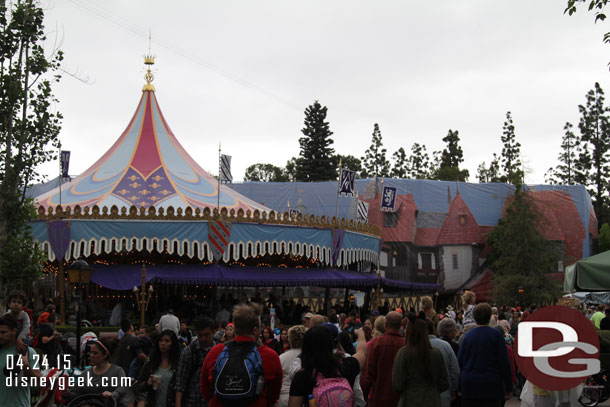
{"type": "Point", "coordinates": [238, 373]}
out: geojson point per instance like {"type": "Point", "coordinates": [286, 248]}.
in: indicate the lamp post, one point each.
{"type": "Point", "coordinates": [79, 273]}
{"type": "Point", "coordinates": [142, 297]}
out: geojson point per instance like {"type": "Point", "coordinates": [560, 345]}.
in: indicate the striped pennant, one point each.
{"type": "Point", "coordinates": [363, 211]}
{"type": "Point", "coordinates": [225, 169]}
{"type": "Point", "coordinates": [218, 235]}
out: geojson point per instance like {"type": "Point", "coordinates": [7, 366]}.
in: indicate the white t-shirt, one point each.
{"type": "Point", "coordinates": [287, 359]}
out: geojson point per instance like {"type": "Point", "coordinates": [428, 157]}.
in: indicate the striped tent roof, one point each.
{"type": "Point", "coordinates": [147, 167]}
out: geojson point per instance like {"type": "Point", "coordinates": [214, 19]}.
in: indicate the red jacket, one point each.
{"type": "Point", "coordinates": [272, 372]}
{"type": "Point", "coordinates": [374, 380]}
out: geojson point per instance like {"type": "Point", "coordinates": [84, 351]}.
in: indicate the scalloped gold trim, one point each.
{"type": "Point", "coordinates": [152, 213]}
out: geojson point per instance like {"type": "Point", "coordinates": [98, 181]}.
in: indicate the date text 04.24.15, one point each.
{"type": "Point", "coordinates": [40, 362]}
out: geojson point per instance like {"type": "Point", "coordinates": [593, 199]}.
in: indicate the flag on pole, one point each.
{"type": "Point", "coordinates": [388, 199]}
{"type": "Point", "coordinates": [225, 169]}
{"type": "Point", "coordinates": [346, 182]}
{"type": "Point", "coordinates": [64, 163]}
{"type": "Point", "coordinates": [363, 211]}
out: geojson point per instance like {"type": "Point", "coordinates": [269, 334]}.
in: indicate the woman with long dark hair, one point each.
{"type": "Point", "coordinates": [420, 374]}
{"type": "Point", "coordinates": [318, 357]}
{"type": "Point", "coordinates": [158, 374]}
{"type": "Point", "coordinates": [99, 377]}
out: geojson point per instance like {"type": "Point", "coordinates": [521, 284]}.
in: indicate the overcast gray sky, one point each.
{"type": "Point", "coordinates": [242, 72]}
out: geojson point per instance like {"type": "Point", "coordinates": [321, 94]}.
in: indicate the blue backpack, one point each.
{"type": "Point", "coordinates": [238, 373]}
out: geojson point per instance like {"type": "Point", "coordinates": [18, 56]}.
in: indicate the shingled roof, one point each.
{"type": "Point", "coordinates": [460, 227]}
{"type": "Point", "coordinates": [404, 231]}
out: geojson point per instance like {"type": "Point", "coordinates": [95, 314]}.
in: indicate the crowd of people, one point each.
{"type": "Point", "coordinates": [390, 358]}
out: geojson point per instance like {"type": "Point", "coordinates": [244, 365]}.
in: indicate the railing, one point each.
{"type": "Point", "coordinates": [398, 273]}
{"type": "Point", "coordinates": [401, 273]}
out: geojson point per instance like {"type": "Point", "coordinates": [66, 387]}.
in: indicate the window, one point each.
{"type": "Point", "coordinates": [390, 219]}
{"type": "Point", "coordinates": [560, 266]}
{"type": "Point", "coordinates": [426, 260]}
{"type": "Point", "coordinates": [455, 261]}
{"type": "Point", "coordinates": [383, 259]}
{"type": "Point", "coordinates": [462, 220]}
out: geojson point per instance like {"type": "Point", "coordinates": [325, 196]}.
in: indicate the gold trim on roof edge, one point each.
{"type": "Point", "coordinates": [188, 214]}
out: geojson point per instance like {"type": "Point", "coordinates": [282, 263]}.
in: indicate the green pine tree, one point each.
{"type": "Point", "coordinates": [593, 161]}
{"type": "Point", "coordinates": [374, 162]}
{"type": "Point", "coordinates": [511, 154]}
{"type": "Point", "coordinates": [400, 169]}
{"type": "Point", "coordinates": [564, 172]}
{"type": "Point", "coordinates": [419, 162]}
{"type": "Point", "coordinates": [451, 158]}
{"type": "Point", "coordinates": [521, 256]}
{"type": "Point", "coordinates": [315, 161]}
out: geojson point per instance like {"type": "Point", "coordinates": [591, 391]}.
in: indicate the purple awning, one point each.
{"type": "Point", "coordinates": [125, 277]}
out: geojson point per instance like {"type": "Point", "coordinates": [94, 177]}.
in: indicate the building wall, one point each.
{"type": "Point", "coordinates": [455, 277]}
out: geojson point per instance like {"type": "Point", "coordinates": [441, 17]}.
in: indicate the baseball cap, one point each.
{"type": "Point", "coordinates": [308, 315]}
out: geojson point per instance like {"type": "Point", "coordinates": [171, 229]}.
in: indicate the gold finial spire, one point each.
{"type": "Point", "coordinates": [149, 60]}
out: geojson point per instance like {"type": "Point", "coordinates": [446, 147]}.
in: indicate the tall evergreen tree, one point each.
{"type": "Point", "coordinates": [375, 162]}
{"type": "Point", "coordinates": [594, 149]}
{"type": "Point", "coordinates": [521, 255]}
{"type": "Point", "coordinates": [400, 169]}
{"type": "Point", "coordinates": [451, 158]}
{"type": "Point", "coordinates": [564, 172]}
{"type": "Point", "coordinates": [453, 155]}
{"type": "Point", "coordinates": [419, 162]}
{"type": "Point", "coordinates": [316, 155]}
{"type": "Point", "coordinates": [511, 154]}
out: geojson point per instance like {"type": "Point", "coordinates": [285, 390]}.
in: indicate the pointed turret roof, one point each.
{"type": "Point", "coordinates": [145, 167]}
{"type": "Point", "coordinates": [460, 227]}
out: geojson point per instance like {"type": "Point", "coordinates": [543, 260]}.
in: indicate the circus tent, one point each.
{"type": "Point", "coordinates": [147, 195]}
{"type": "Point", "coordinates": [147, 167]}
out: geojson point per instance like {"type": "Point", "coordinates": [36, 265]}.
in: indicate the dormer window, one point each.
{"type": "Point", "coordinates": [390, 219]}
